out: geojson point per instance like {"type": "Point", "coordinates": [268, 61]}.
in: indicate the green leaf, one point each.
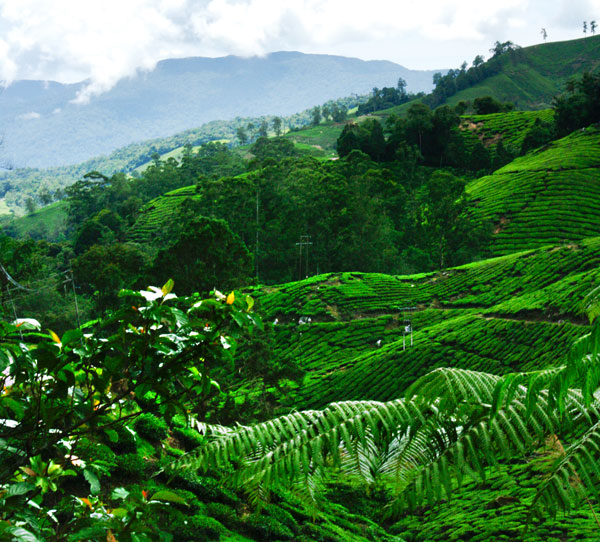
{"type": "Point", "coordinates": [112, 435]}
{"type": "Point", "coordinates": [168, 286]}
{"type": "Point", "coordinates": [119, 512]}
{"type": "Point", "coordinates": [20, 488]}
{"type": "Point", "coordinates": [120, 493]}
{"type": "Point", "coordinates": [15, 406]}
{"type": "Point", "coordinates": [168, 496]}
{"type": "Point", "coordinates": [71, 336]}
{"type": "Point", "coordinates": [21, 535]}
{"type": "Point", "coordinates": [92, 479]}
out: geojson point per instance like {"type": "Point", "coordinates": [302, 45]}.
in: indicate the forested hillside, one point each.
{"type": "Point", "coordinates": [43, 127]}
{"type": "Point", "coordinates": [398, 342]}
{"type": "Point", "coordinates": [527, 77]}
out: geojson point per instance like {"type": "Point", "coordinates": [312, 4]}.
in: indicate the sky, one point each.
{"type": "Point", "coordinates": [105, 40]}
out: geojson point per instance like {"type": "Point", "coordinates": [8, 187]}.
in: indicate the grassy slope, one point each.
{"type": "Point", "coordinates": [535, 74]}
{"type": "Point", "coordinates": [549, 196]}
{"type": "Point", "coordinates": [45, 223]}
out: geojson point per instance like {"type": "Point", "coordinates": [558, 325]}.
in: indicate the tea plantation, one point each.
{"type": "Point", "coordinates": [516, 312]}
{"type": "Point", "coordinates": [510, 127]}
{"type": "Point", "coordinates": [548, 196]}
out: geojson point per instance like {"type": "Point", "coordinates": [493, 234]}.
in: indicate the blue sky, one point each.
{"type": "Point", "coordinates": [104, 41]}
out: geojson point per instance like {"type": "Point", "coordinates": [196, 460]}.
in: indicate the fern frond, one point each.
{"type": "Point", "coordinates": [293, 447]}
{"type": "Point", "coordinates": [573, 474]}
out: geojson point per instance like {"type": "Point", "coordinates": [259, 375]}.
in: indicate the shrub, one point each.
{"type": "Point", "coordinates": [189, 437]}
{"type": "Point", "coordinates": [96, 451]}
{"type": "Point", "coordinates": [132, 465]}
{"type": "Point", "coordinates": [151, 427]}
{"type": "Point", "coordinates": [198, 528]}
{"type": "Point", "coordinates": [126, 441]}
{"type": "Point", "coordinates": [222, 512]}
{"type": "Point", "coordinates": [207, 489]}
{"type": "Point", "coordinates": [268, 528]}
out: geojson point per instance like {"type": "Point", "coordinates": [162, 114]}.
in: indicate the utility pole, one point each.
{"type": "Point", "coordinates": [256, 245]}
{"type": "Point", "coordinates": [304, 242]}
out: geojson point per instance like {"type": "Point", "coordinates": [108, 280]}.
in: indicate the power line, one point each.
{"type": "Point", "coordinates": [304, 242]}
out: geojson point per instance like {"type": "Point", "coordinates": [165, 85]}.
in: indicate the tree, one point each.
{"type": "Point", "coordinates": [348, 140]}
{"type": "Point", "coordinates": [250, 128]}
{"type": "Point", "coordinates": [316, 115]}
{"type": "Point", "coordinates": [503, 47]}
{"type": "Point", "coordinates": [105, 269]}
{"type": "Point", "coordinates": [419, 122]}
{"type": "Point", "coordinates": [157, 352]}
{"type": "Point", "coordinates": [580, 106]}
{"type": "Point", "coordinates": [241, 135]}
{"type": "Point", "coordinates": [544, 33]}
{"type": "Point", "coordinates": [277, 126]}
{"type": "Point", "coordinates": [30, 205]}
{"type": "Point", "coordinates": [593, 27]}
{"type": "Point", "coordinates": [45, 196]}
{"type": "Point", "coordinates": [584, 28]}
{"type": "Point", "coordinates": [478, 61]}
{"type": "Point", "coordinates": [339, 112]}
{"type": "Point", "coordinates": [263, 129]}
{"type": "Point", "coordinates": [450, 425]}
{"type": "Point", "coordinates": [202, 253]}
{"type": "Point", "coordinates": [484, 105]}
{"type": "Point", "coordinates": [401, 87]}
{"type": "Point", "coordinates": [539, 134]}
{"type": "Point", "coordinates": [445, 229]}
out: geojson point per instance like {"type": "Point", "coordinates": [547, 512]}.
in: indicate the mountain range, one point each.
{"type": "Point", "coordinates": [42, 125]}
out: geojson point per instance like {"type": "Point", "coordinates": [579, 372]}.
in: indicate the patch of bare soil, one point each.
{"type": "Point", "coordinates": [502, 224]}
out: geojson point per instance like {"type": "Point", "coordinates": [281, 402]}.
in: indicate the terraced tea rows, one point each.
{"type": "Point", "coordinates": [510, 127]}
{"type": "Point", "coordinates": [344, 296]}
{"type": "Point", "coordinates": [497, 510]}
{"type": "Point", "coordinates": [549, 196]}
{"type": "Point", "coordinates": [516, 312]}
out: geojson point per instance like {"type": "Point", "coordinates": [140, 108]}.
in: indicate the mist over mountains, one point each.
{"type": "Point", "coordinates": [42, 126]}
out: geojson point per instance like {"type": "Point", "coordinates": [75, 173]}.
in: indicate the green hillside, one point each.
{"type": "Point", "coordinates": [516, 312]}
{"type": "Point", "coordinates": [531, 76]}
{"type": "Point", "coordinates": [510, 127]}
{"type": "Point", "coordinates": [45, 223]}
{"type": "Point", "coordinates": [548, 196]}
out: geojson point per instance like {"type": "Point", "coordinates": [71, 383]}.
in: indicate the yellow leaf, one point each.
{"type": "Point", "coordinates": [166, 289]}
{"type": "Point", "coordinates": [28, 471]}
{"type": "Point", "coordinates": [110, 537]}
{"type": "Point", "coordinates": [249, 302]}
{"type": "Point", "coordinates": [54, 336]}
{"type": "Point", "coordinates": [230, 298]}
{"type": "Point", "coordinates": [86, 501]}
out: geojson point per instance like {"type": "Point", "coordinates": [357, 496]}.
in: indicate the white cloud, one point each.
{"type": "Point", "coordinates": [30, 116]}
{"type": "Point", "coordinates": [71, 40]}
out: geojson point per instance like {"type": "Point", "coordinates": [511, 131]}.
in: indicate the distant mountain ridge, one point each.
{"type": "Point", "coordinates": [42, 127]}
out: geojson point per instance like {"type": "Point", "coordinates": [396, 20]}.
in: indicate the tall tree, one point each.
{"type": "Point", "coordinates": [316, 115]}
{"type": "Point", "coordinates": [242, 135]}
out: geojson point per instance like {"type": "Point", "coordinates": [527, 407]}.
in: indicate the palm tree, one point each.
{"type": "Point", "coordinates": [449, 425]}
